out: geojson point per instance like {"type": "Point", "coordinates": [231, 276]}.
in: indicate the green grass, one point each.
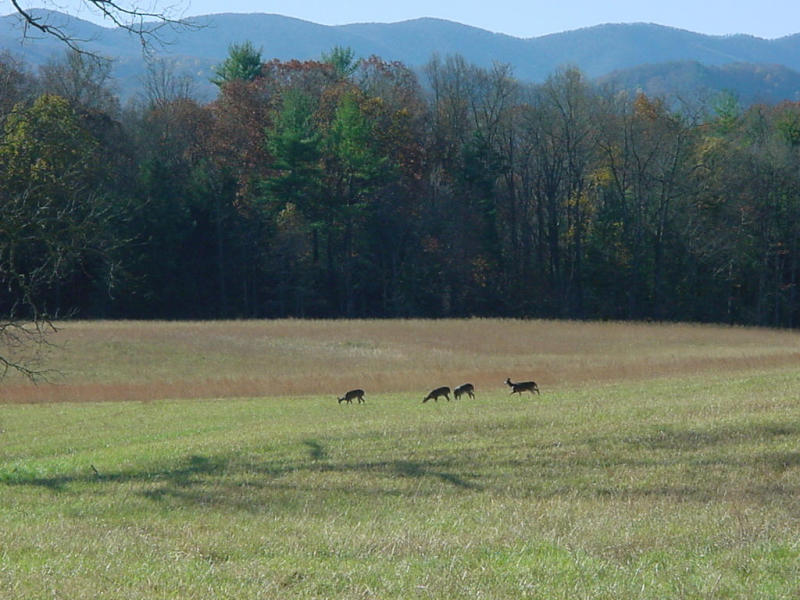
{"type": "Point", "coordinates": [678, 487]}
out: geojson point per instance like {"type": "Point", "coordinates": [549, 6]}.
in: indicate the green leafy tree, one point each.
{"type": "Point", "coordinates": [352, 150]}
{"type": "Point", "coordinates": [294, 143]}
{"type": "Point", "coordinates": [293, 195]}
{"type": "Point", "coordinates": [727, 112]}
{"type": "Point", "coordinates": [243, 63]}
{"type": "Point", "coordinates": [354, 167]}
{"type": "Point", "coordinates": [342, 59]}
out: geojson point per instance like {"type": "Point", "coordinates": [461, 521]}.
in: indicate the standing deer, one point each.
{"type": "Point", "coordinates": [523, 386]}
{"type": "Point", "coordinates": [348, 397]}
{"type": "Point", "coordinates": [467, 388]}
{"type": "Point", "coordinates": [438, 393]}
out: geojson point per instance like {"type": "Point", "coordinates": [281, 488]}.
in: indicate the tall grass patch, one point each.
{"type": "Point", "coordinates": [129, 360]}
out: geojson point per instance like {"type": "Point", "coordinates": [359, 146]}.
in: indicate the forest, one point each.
{"type": "Point", "coordinates": [349, 187]}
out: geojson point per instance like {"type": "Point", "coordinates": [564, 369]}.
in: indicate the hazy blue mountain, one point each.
{"type": "Point", "coordinates": [690, 79]}
{"type": "Point", "coordinates": [598, 51]}
{"type": "Point", "coordinates": [605, 48]}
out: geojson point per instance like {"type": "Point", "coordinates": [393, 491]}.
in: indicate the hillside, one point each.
{"type": "Point", "coordinates": [597, 51]}
{"type": "Point", "coordinates": [749, 82]}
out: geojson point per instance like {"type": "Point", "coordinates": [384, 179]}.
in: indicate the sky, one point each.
{"type": "Point", "coordinates": [765, 18]}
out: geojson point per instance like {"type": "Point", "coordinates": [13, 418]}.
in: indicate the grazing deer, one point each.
{"type": "Point", "coordinates": [467, 388]}
{"type": "Point", "coordinates": [523, 386]}
{"type": "Point", "coordinates": [438, 393]}
{"type": "Point", "coordinates": [348, 397]}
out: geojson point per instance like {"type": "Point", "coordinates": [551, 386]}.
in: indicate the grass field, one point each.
{"type": "Point", "coordinates": [188, 460]}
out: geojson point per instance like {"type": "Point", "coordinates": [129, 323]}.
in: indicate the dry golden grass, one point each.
{"type": "Point", "coordinates": [131, 360]}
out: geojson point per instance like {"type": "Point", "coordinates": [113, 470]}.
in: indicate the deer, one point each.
{"type": "Point", "coordinates": [522, 386]}
{"type": "Point", "coordinates": [466, 388]}
{"type": "Point", "coordinates": [438, 393]}
{"type": "Point", "coordinates": [348, 397]}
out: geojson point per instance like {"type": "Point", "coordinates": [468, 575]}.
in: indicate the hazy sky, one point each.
{"type": "Point", "coordinates": [764, 18]}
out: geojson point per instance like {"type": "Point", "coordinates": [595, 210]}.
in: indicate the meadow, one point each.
{"type": "Point", "coordinates": [212, 460]}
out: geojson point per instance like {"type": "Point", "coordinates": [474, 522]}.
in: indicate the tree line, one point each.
{"type": "Point", "coordinates": [344, 187]}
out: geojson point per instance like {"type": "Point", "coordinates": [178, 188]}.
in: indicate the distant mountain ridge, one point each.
{"type": "Point", "coordinates": [750, 82]}
{"type": "Point", "coordinates": [604, 51]}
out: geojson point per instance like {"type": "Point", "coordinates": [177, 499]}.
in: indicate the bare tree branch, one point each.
{"type": "Point", "coordinates": [54, 217]}
{"type": "Point", "coordinates": [145, 23]}
{"type": "Point", "coordinates": [23, 343]}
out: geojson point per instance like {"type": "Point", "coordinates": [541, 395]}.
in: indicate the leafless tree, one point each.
{"type": "Point", "coordinates": [15, 81]}
{"type": "Point", "coordinates": [162, 84]}
{"type": "Point", "coordinates": [83, 80]}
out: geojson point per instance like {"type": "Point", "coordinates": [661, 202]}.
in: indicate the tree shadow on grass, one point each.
{"type": "Point", "coordinates": [206, 478]}
{"type": "Point", "coordinates": [672, 437]}
{"type": "Point", "coordinates": [180, 475]}
{"type": "Point", "coordinates": [250, 483]}
{"type": "Point", "coordinates": [316, 450]}
{"type": "Point", "coordinates": [421, 469]}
